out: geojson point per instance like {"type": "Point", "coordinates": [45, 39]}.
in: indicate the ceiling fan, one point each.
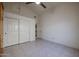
{"type": "Point", "coordinates": [40, 3]}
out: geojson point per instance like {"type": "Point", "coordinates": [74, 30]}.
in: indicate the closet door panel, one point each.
{"type": "Point", "coordinates": [12, 31]}
{"type": "Point", "coordinates": [5, 40]}
{"type": "Point", "coordinates": [32, 29]}
{"type": "Point", "coordinates": [24, 30]}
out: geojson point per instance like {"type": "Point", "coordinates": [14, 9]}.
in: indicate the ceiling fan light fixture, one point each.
{"type": "Point", "coordinates": [37, 2]}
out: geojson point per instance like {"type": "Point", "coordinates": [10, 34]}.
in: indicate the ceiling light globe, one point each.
{"type": "Point", "coordinates": [37, 2]}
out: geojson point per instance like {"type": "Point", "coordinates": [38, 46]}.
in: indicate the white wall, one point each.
{"type": "Point", "coordinates": [18, 9]}
{"type": "Point", "coordinates": [61, 25]}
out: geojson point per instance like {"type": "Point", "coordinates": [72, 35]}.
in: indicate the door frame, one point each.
{"type": "Point", "coordinates": [1, 27]}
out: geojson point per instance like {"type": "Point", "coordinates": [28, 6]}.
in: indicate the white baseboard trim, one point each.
{"type": "Point", "coordinates": [59, 43]}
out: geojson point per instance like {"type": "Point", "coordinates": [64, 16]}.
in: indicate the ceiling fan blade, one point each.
{"type": "Point", "coordinates": [29, 2]}
{"type": "Point", "coordinates": [42, 5]}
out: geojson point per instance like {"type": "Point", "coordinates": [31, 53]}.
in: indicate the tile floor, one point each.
{"type": "Point", "coordinates": [40, 48]}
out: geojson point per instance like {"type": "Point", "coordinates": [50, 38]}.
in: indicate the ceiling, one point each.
{"type": "Point", "coordinates": [39, 9]}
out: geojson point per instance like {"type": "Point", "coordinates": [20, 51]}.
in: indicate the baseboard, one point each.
{"type": "Point", "coordinates": [18, 44]}
{"type": "Point", "coordinates": [59, 43]}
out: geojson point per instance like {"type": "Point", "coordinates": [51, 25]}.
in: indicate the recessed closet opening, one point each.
{"type": "Point", "coordinates": [18, 27]}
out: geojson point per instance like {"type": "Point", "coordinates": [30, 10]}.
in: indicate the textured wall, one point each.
{"type": "Point", "coordinates": [61, 25]}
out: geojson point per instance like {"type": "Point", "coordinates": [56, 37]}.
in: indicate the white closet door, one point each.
{"type": "Point", "coordinates": [5, 40]}
{"type": "Point", "coordinates": [18, 32]}
{"type": "Point", "coordinates": [32, 29]}
{"type": "Point", "coordinates": [10, 32]}
{"type": "Point", "coordinates": [24, 30]}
